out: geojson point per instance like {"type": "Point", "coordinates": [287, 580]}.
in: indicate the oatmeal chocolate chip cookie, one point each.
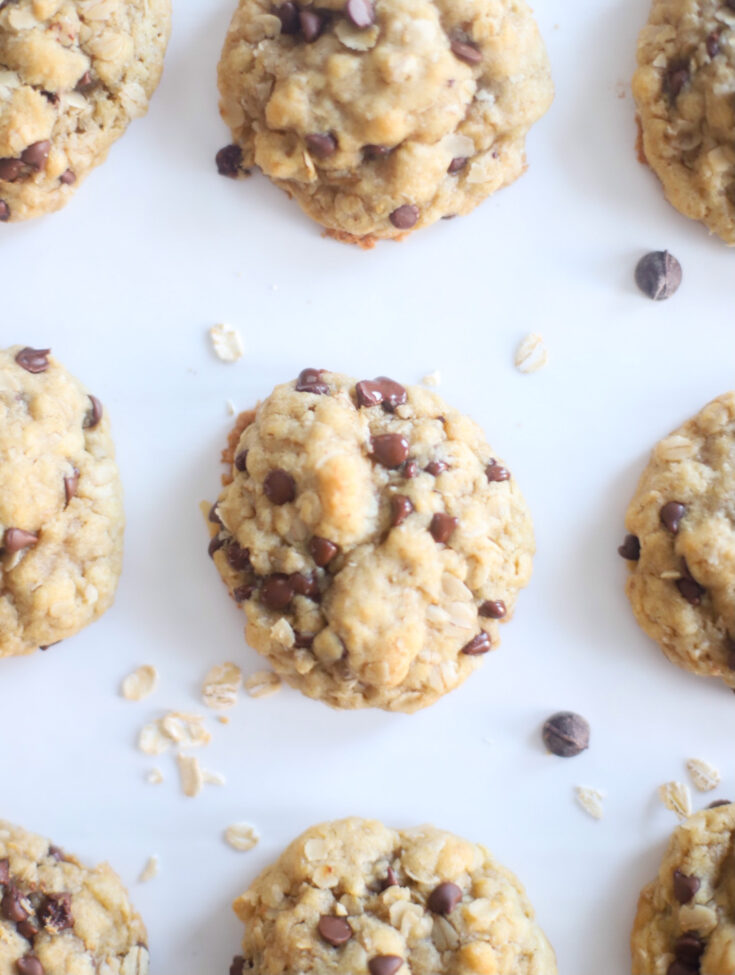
{"type": "Point", "coordinates": [373, 539]}
{"type": "Point", "coordinates": [686, 918]}
{"type": "Point", "coordinates": [355, 898]}
{"type": "Point", "coordinates": [58, 916]}
{"type": "Point", "coordinates": [382, 116]}
{"type": "Point", "coordinates": [681, 546]}
{"type": "Point", "coordinates": [61, 514]}
{"type": "Point", "coordinates": [73, 73]}
{"type": "Point", "coordinates": [683, 88]}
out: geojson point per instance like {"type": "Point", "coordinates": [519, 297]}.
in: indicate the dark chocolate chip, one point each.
{"type": "Point", "coordinates": [671, 515]}
{"type": "Point", "coordinates": [56, 853]}
{"type": "Point", "coordinates": [631, 548]}
{"type": "Point", "coordinates": [689, 948]}
{"type": "Point", "coordinates": [238, 965]}
{"type": "Point", "coordinates": [71, 484]}
{"type": "Point", "coordinates": [435, 467]}
{"type": "Point", "coordinates": [29, 965]}
{"type": "Point", "coordinates": [411, 469]}
{"type": "Point", "coordinates": [361, 13]}
{"type": "Point", "coordinates": [372, 151]}
{"type": "Point", "coordinates": [16, 539]}
{"type": "Point", "coordinates": [676, 77]}
{"type": "Point", "coordinates": [496, 472]}
{"type": "Point", "coordinates": [384, 964]}
{"type": "Point", "coordinates": [36, 154]}
{"type": "Point", "coordinates": [690, 590]}
{"type": "Point", "coordinates": [304, 584]}
{"type": "Point", "coordinates": [33, 360]}
{"type": "Point", "coordinates": [276, 592]}
{"type": "Point", "coordinates": [12, 905]}
{"type": "Point", "coordinates": [400, 508]}
{"type": "Point", "coordinates": [685, 887]}
{"type": "Point", "coordinates": [288, 14]}
{"type": "Point", "coordinates": [93, 414]}
{"type": "Point", "coordinates": [56, 913]}
{"type": "Point", "coordinates": [215, 543]}
{"type": "Point", "coordinates": [4, 212]}
{"type": "Point", "coordinates": [390, 879]}
{"type": "Point", "coordinates": [51, 97]}
{"type": "Point", "coordinates": [389, 449]}
{"type": "Point", "coordinates": [302, 641]}
{"type": "Point", "coordinates": [85, 82]}
{"type": "Point", "coordinates": [466, 51]}
{"type": "Point", "coordinates": [4, 871]}
{"type": "Point", "coordinates": [311, 25]}
{"type": "Point", "coordinates": [566, 734]}
{"type": "Point", "coordinates": [335, 931]}
{"type": "Point", "coordinates": [457, 164]}
{"type": "Point", "coordinates": [310, 381]}
{"type": "Point", "coordinates": [679, 968]}
{"type": "Point", "coordinates": [68, 177]}
{"type": "Point", "coordinates": [380, 391]}
{"type": "Point", "coordinates": [719, 802]}
{"type": "Point", "coordinates": [658, 275]}
{"type": "Point", "coordinates": [322, 550]}
{"type": "Point", "coordinates": [10, 170]}
{"type": "Point", "coordinates": [321, 144]}
{"type": "Point", "coordinates": [237, 557]}
{"type": "Point", "coordinates": [213, 516]}
{"type": "Point", "coordinates": [442, 526]}
{"type": "Point", "coordinates": [493, 609]}
{"type": "Point", "coordinates": [229, 161]}
{"type": "Point", "coordinates": [29, 928]}
{"type": "Point", "coordinates": [713, 44]}
{"type": "Point", "coordinates": [241, 593]}
{"type": "Point", "coordinates": [49, 645]}
{"type": "Point", "coordinates": [477, 645]}
{"type": "Point", "coordinates": [279, 486]}
{"type": "Point", "coordinates": [241, 461]}
{"type": "Point", "coordinates": [405, 217]}
{"type": "Point", "coordinates": [444, 898]}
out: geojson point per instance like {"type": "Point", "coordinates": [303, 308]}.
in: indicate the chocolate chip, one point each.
{"type": "Point", "coordinates": [311, 25]}
{"type": "Point", "coordinates": [384, 964]}
{"type": "Point", "coordinates": [4, 871]}
{"type": "Point", "coordinates": [49, 645]}
{"type": "Point", "coordinates": [288, 14]}
{"type": "Point", "coordinates": [241, 593]}
{"type": "Point", "coordinates": [68, 177]}
{"type": "Point", "coordinates": [372, 151]}
{"type": "Point", "coordinates": [241, 461]}
{"type": "Point", "coordinates": [36, 154]}
{"type": "Point", "coordinates": [335, 931]}
{"type": "Point", "coordinates": [477, 645]}
{"type": "Point", "coordinates": [51, 97]}
{"type": "Point", "coordinates": [444, 898]}
{"type": "Point", "coordinates": [361, 13]}
{"type": "Point", "coordinates": [713, 44]}
{"type": "Point", "coordinates": [238, 965]}
{"type": "Point", "coordinates": [4, 212]}
{"type": "Point", "coordinates": [405, 217]}
{"type": "Point", "coordinates": [390, 879]}
{"type": "Point", "coordinates": [322, 550]}
{"type": "Point", "coordinates": [685, 887]}
{"type": "Point", "coordinates": [229, 161]}
{"type": "Point", "coordinates": [238, 558]}
{"type": "Point", "coordinates": [410, 469]}
{"type": "Point", "coordinates": [10, 170]}
{"type": "Point", "coordinates": [215, 544]}
{"type": "Point", "coordinates": [304, 584]}
{"type": "Point", "coordinates": [321, 144]}
{"type": "Point", "coordinates": [676, 77]}
{"type": "Point", "coordinates": [85, 82]}
{"type": "Point", "coordinates": [213, 516]}
{"type": "Point", "coordinates": [279, 486]}
{"type": "Point", "coordinates": [658, 275]}
{"type": "Point", "coordinates": [690, 590]}
{"type": "Point", "coordinates": [631, 548]}
{"type": "Point", "coordinates": [671, 515]}
{"type": "Point", "coordinates": [719, 802]}
{"type": "Point", "coordinates": [380, 391]}
{"type": "Point", "coordinates": [466, 51]}
{"type": "Point", "coordinates": [400, 508]}
{"type": "Point", "coordinates": [29, 928]}
{"type": "Point", "coordinates": [689, 948]}
{"type": "Point", "coordinates": [457, 164]}
{"type": "Point", "coordinates": [495, 472]}
{"type": "Point", "coordinates": [302, 641]}
{"type": "Point", "coordinates": [310, 381]}
{"type": "Point", "coordinates": [55, 852]}
{"type": "Point", "coordinates": [389, 449]}
{"type": "Point", "coordinates": [16, 539]}
{"type": "Point", "coordinates": [93, 414]}
{"type": "Point", "coordinates": [56, 913]}
{"type": "Point", "coordinates": [679, 968]}
{"type": "Point", "coordinates": [493, 609]}
{"type": "Point", "coordinates": [33, 360]}
{"type": "Point", "coordinates": [566, 734]}
{"type": "Point", "coordinates": [29, 965]}
{"type": "Point", "coordinates": [276, 592]}
{"type": "Point", "coordinates": [435, 467]}
{"type": "Point", "coordinates": [442, 526]}
{"type": "Point", "coordinates": [70, 485]}
{"type": "Point", "coordinates": [12, 905]}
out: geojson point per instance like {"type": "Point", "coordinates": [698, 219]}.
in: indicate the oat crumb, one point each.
{"type": "Point", "coordinates": [140, 684]}
{"type": "Point", "coordinates": [150, 870]}
{"type": "Point", "coordinates": [432, 378]}
{"type": "Point", "coordinates": [221, 686]}
{"type": "Point", "coordinates": [242, 836]}
{"type": "Point", "coordinates": [531, 354]}
{"type": "Point", "coordinates": [230, 407]}
{"type": "Point", "coordinates": [676, 797]}
{"type": "Point", "coordinates": [704, 776]}
{"type": "Point", "coordinates": [226, 342]}
{"type": "Point", "coordinates": [154, 777]}
{"type": "Point", "coordinates": [262, 683]}
{"type": "Point", "coordinates": [590, 800]}
{"type": "Point", "coordinates": [213, 778]}
{"type": "Point", "coordinates": [190, 774]}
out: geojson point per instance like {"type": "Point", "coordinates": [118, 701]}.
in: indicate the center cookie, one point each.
{"type": "Point", "coordinates": [373, 538]}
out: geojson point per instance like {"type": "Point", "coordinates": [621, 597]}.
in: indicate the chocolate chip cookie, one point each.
{"type": "Point", "coordinates": [355, 898]}
{"type": "Point", "coordinates": [57, 916]}
{"type": "Point", "coordinates": [683, 88]}
{"type": "Point", "coordinates": [373, 539]}
{"type": "Point", "coordinates": [73, 73]}
{"type": "Point", "coordinates": [382, 116]}
{"type": "Point", "coordinates": [61, 514]}
{"type": "Point", "coordinates": [681, 546]}
{"type": "Point", "coordinates": [686, 918]}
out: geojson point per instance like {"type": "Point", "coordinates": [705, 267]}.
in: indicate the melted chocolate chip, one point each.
{"type": "Point", "coordinates": [29, 965]}
{"type": "Point", "coordinates": [237, 557]}
{"type": "Point", "coordinates": [685, 887]}
{"type": "Point", "coordinates": [4, 871]}
{"type": "Point", "coordinates": [335, 931]}
{"type": "Point", "coordinates": [310, 381]}
{"type": "Point", "coordinates": [229, 161]}
{"type": "Point", "coordinates": [400, 508]}
{"type": "Point", "coordinates": [442, 526]}
{"type": "Point", "coordinates": [405, 217]}
{"type": "Point", "coordinates": [566, 734]}
{"type": "Point", "coordinates": [279, 487]}
{"type": "Point", "coordinates": [16, 539]}
{"type": "Point", "coordinates": [444, 898]}
{"type": "Point", "coordinates": [713, 44]}
{"type": "Point", "coordinates": [496, 472]}
{"type": "Point", "coordinates": [215, 543]}
{"type": "Point", "coordinates": [93, 414]}
{"type": "Point", "coordinates": [241, 461]}
{"type": "Point", "coordinates": [36, 154]}
{"type": "Point", "coordinates": [33, 360]}
{"type": "Point", "coordinates": [493, 609]}
{"type": "Point", "coordinates": [68, 177]}
{"type": "Point", "coordinates": [276, 592]}
{"type": "Point", "coordinates": [676, 78]}
{"type": "Point", "coordinates": [457, 164]}
{"type": "Point", "coordinates": [380, 391]}
{"type": "Point", "coordinates": [631, 548]}
{"type": "Point", "coordinates": [71, 484]}
{"type": "Point", "coordinates": [12, 905]}
{"type": "Point", "coordinates": [10, 170]}
{"type": "Point", "coordinates": [384, 964]}
{"type": "Point", "coordinates": [321, 144]}
{"type": "Point", "coordinates": [288, 14]}
{"type": "Point", "coordinates": [311, 25]}
{"type": "Point", "coordinates": [4, 212]}
{"type": "Point", "coordinates": [56, 913]}
{"type": "Point", "coordinates": [435, 467]}
{"type": "Point", "coordinates": [466, 51]}
{"type": "Point", "coordinates": [304, 584]}
{"type": "Point", "coordinates": [389, 449]}
{"type": "Point", "coordinates": [671, 515]}
{"type": "Point", "coordinates": [477, 645]}
{"type": "Point", "coordinates": [658, 275]}
{"type": "Point", "coordinates": [361, 13]}
{"type": "Point", "coordinates": [322, 550]}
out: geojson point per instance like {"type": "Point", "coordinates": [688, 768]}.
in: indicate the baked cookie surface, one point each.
{"type": "Point", "coordinates": [685, 922]}
{"type": "Point", "coordinates": [353, 897]}
{"type": "Point", "coordinates": [380, 118]}
{"type": "Point", "coordinates": [61, 514]}
{"type": "Point", "coordinates": [373, 539]}
{"type": "Point", "coordinates": [683, 89]}
{"type": "Point", "coordinates": [73, 73]}
{"type": "Point", "coordinates": [58, 916]}
{"type": "Point", "coordinates": [682, 525]}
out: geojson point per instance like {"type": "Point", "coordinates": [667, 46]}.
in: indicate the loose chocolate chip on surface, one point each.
{"type": "Point", "coordinates": [311, 25]}
{"type": "Point", "coordinates": [16, 539]}
{"type": "Point", "coordinates": [713, 44]}
{"type": "Point", "coordinates": [405, 217]}
{"type": "Point", "coordinates": [689, 948]}
{"type": "Point", "coordinates": [288, 14]}
{"type": "Point", "coordinates": [435, 467]}
{"type": "Point", "coordinates": [384, 964]}
{"type": "Point", "coordinates": [685, 887]}
{"type": "Point", "coordinates": [400, 508]}
{"type": "Point", "coordinates": [720, 802]}
{"type": "Point", "coordinates": [335, 931]}
{"type": "Point", "coordinates": [229, 161]}
{"type": "Point", "coordinates": [321, 144]}
{"type": "Point", "coordinates": [56, 913]}
{"type": "Point", "coordinates": [12, 905]}
{"type": "Point", "coordinates": [238, 965]}
{"type": "Point", "coordinates": [10, 170]}
{"type": "Point", "coordinates": [71, 484]}
{"type": "Point", "coordinates": [361, 13]}
{"type": "Point", "coordinates": [671, 515]}
{"type": "Point", "coordinates": [442, 526]}
{"type": "Point", "coordinates": [33, 360]}
{"type": "Point", "coordinates": [467, 52]}
{"type": "Point", "coordinates": [241, 461]}
{"type": "Point", "coordinates": [493, 609]}
{"type": "Point", "coordinates": [4, 871]}
{"type": "Point", "coordinates": [566, 734]}
{"type": "Point", "coordinates": [444, 898]}
{"type": "Point", "coordinates": [276, 592]}
{"type": "Point", "coordinates": [676, 77]}
{"type": "Point", "coordinates": [29, 965]}
{"type": "Point", "coordinates": [322, 550]}
{"type": "Point", "coordinates": [477, 645]}
{"type": "Point", "coordinates": [68, 177]}
{"type": "Point", "coordinates": [215, 544]}
{"type": "Point", "coordinates": [631, 548]}
{"type": "Point", "coordinates": [93, 414]}
{"type": "Point", "coordinates": [310, 381]}
{"type": "Point", "coordinates": [496, 472]}
{"type": "Point", "coordinates": [279, 486]}
{"type": "Point", "coordinates": [457, 164]}
{"type": "Point", "coordinates": [36, 154]}
{"type": "Point", "coordinates": [658, 275]}
{"type": "Point", "coordinates": [389, 449]}
{"type": "Point", "coordinates": [4, 212]}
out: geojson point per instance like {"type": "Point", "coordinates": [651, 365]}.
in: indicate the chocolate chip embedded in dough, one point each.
{"type": "Point", "coordinates": [56, 914]}
{"type": "Point", "coordinates": [496, 472]}
{"type": "Point", "coordinates": [4, 212]}
{"type": "Point", "coordinates": [466, 51]}
{"type": "Point", "coordinates": [384, 964]}
{"type": "Point", "coordinates": [276, 592]}
{"type": "Point", "coordinates": [29, 965]}
{"type": "Point", "coordinates": [93, 414]}
{"type": "Point", "coordinates": [671, 515]}
{"type": "Point", "coordinates": [400, 508]}
{"type": "Point", "coordinates": [444, 898]}
{"type": "Point", "coordinates": [279, 487]}
{"type": "Point", "coordinates": [310, 381]}
{"type": "Point", "coordinates": [10, 170]}
{"type": "Point", "coordinates": [16, 539]}
{"type": "Point", "coordinates": [493, 609]}
{"type": "Point", "coordinates": [229, 161]}
{"type": "Point", "coordinates": [288, 14]}
{"type": "Point", "coordinates": [477, 645]}
{"type": "Point", "coordinates": [33, 360]}
{"type": "Point", "coordinates": [631, 548]}
{"type": "Point", "coordinates": [335, 931]}
{"type": "Point", "coordinates": [311, 25]}
{"type": "Point", "coordinates": [71, 484]}
{"type": "Point", "coordinates": [389, 449]}
{"type": "Point", "coordinates": [442, 526]}
{"type": "Point", "coordinates": [36, 155]}
{"type": "Point", "coordinates": [321, 144]}
{"type": "Point", "coordinates": [685, 886]}
{"type": "Point", "coordinates": [405, 217]}
{"type": "Point", "coordinates": [361, 13]}
{"type": "Point", "coordinates": [322, 550]}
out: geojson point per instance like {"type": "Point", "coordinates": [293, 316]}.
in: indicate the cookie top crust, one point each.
{"type": "Point", "coordinates": [57, 915]}
{"type": "Point", "coordinates": [373, 538]}
{"type": "Point", "coordinates": [382, 117]}
{"type": "Point", "coordinates": [681, 549]}
{"type": "Point", "coordinates": [685, 922]}
{"type": "Point", "coordinates": [683, 88]}
{"type": "Point", "coordinates": [353, 897]}
{"type": "Point", "coordinates": [61, 514]}
{"type": "Point", "coordinates": [73, 73]}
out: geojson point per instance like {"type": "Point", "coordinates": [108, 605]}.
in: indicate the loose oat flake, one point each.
{"type": "Point", "coordinates": [262, 683]}
{"type": "Point", "coordinates": [531, 354]}
{"type": "Point", "coordinates": [704, 776]}
{"type": "Point", "coordinates": [140, 683]}
{"type": "Point", "coordinates": [242, 836]}
{"type": "Point", "coordinates": [190, 774]}
{"type": "Point", "coordinates": [186, 730]}
{"type": "Point", "coordinates": [213, 778]}
{"type": "Point", "coordinates": [154, 777]}
{"type": "Point", "coordinates": [227, 343]}
{"type": "Point", "coordinates": [590, 800]}
{"type": "Point", "coordinates": [676, 797]}
{"type": "Point", "coordinates": [152, 740]}
{"type": "Point", "coordinates": [221, 686]}
{"type": "Point", "coordinates": [150, 870]}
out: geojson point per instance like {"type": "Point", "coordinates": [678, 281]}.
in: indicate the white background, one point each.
{"type": "Point", "coordinates": [123, 284]}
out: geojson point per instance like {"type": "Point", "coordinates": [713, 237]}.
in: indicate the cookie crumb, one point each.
{"type": "Point", "coordinates": [432, 378]}
{"type": "Point", "coordinates": [140, 684]}
{"type": "Point", "coordinates": [227, 343]}
{"type": "Point", "coordinates": [190, 774]}
{"type": "Point", "coordinates": [221, 686]}
{"type": "Point", "coordinates": [150, 870]}
{"type": "Point", "coordinates": [262, 683]}
{"type": "Point", "coordinates": [154, 776]}
{"type": "Point", "coordinates": [590, 800]}
{"type": "Point", "coordinates": [242, 836]}
{"type": "Point", "coordinates": [531, 354]}
{"type": "Point", "coordinates": [223, 719]}
{"type": "Point", "coordinates": [704, 776]}
{"type": "Point", "coordinates": [676, 797]}
{"type": "Point", "coordinates": [230, 407]}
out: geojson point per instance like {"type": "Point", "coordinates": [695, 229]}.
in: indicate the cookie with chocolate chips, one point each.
{"type": "Point", "coordinates": [57, 915]}
{"type": "Point", "coordinates": [382, 116]}
{"type": "Point", "coordinates": [61, 514]}
{"type": "Point", "coordinates": [681, 543]}
{"type": "Point", "coordinates": [353, 897]}
{"type": "Point", "coordinates": [683, 89]}
{"type": "Point", "coordinates": [685, 924]}
{"type": "Point", "coordinates": [372, 537]}
{"type": "Point", "coordinates": [73, 73]}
